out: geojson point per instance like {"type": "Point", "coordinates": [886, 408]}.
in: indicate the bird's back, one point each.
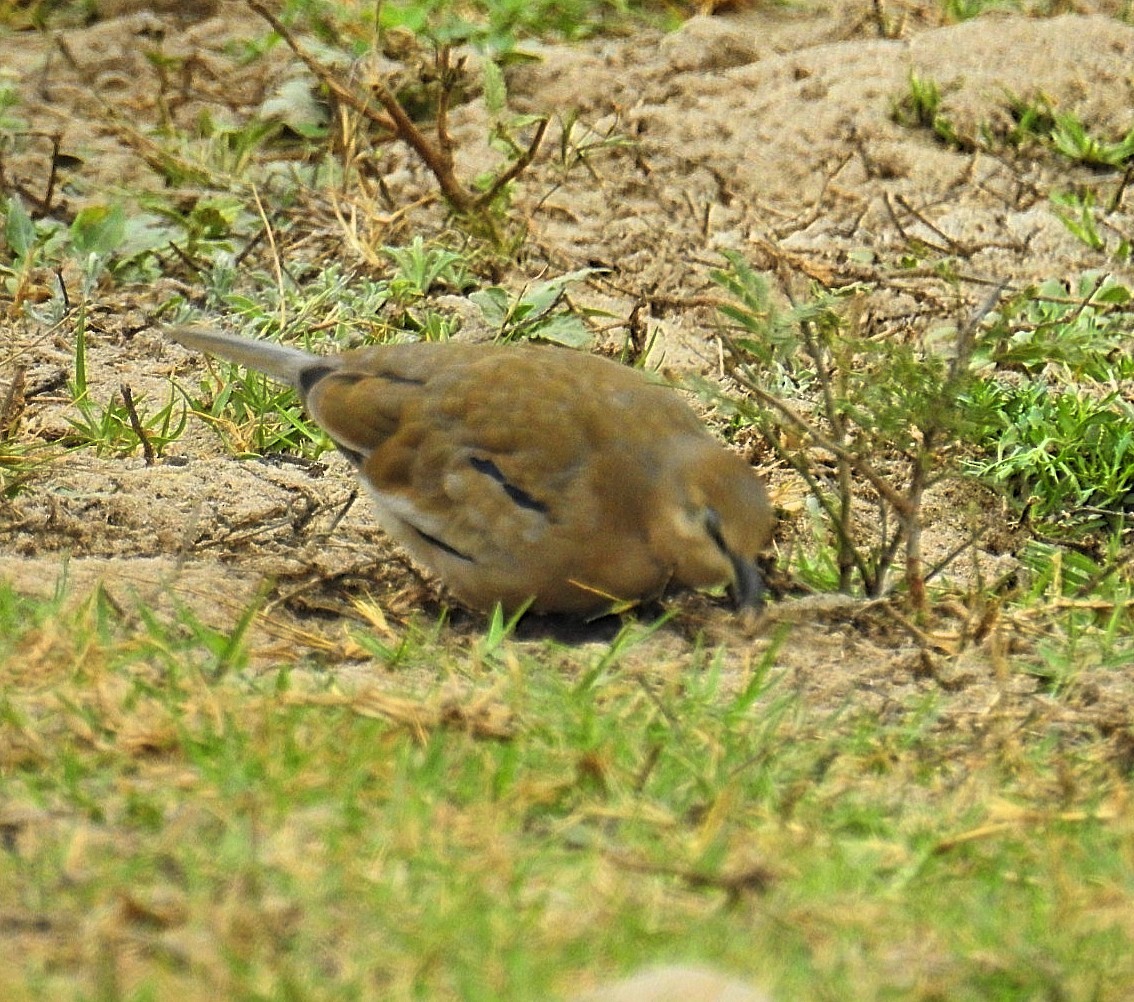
{"type": "Point", "coordinates": [532, 468]}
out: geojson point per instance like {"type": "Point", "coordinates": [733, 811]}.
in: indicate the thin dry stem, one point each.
{"type": "Point", "coordinates": [136, 424]}
{"type": "Point", "coordinates": [517, 168]}
{"type": "Point", "coordinates": [403, 127]}
{"type": "Point", "coordinates": [15, 401]}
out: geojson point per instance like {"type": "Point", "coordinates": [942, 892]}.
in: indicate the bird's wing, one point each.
{"type": "Point", "coordinates": [508, 469]}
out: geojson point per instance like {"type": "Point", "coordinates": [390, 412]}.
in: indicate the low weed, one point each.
{"type": "Point", "coordinates": [1034, 120]}
{"type": "Point", "coordinates": [1058, 434]}
{"type": "Point", "coordinates": [122, 425]}
{"type": "Point", "coordinates": [1070, 137]}
{"type": "Point", "coordinates": [1023, 399]}
{"type": "Point", "coordinates": [817, 382]}
{"type": "Point", "coordinates": [253, 415]}
{"type": "Point", "coordinates": [920, 107]}
{"type": "Point", "coordinates": [541, 313]}
{"type": "Point", "coordinates": [1065, 453]}
{"type": "Point", "coordinates": [422, 270]}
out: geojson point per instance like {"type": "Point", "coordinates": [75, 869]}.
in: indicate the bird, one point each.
{"type": "Point", "coordinates": [539, 477]}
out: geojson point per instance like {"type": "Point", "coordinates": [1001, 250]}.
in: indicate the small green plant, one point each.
{"type": "Point", "coordinates": [579, 143]}
{"type": "Point", "coordinates": [1084, 330]}
{"type": "Point", "coordinates": [1071, 138]}
{"type": "Point", "coordinates": [422, 269]}
{"type": "Point", "coordinates": [1076, 211]}
{"type": "Point", "coordinates": [230, 149]}
{"type": "Point", "coordinates": [321, 296]}
{"type": "Point", "coordinates": [97, 232]}
{"type": "Point", "coordinates": [1056, 572]}
{"type": "Point", "coordinates": [210, 226]}
{"type": "Point", "coordinates": [1067, 453]}
{"type": "Point", "coordinates": [886, 412]}
{"type": "Point", "coordinates": [537, 315]}
{"type": "Point", "coordinates": [1057, 435]}
{"type": "Point", "coordinates": [254, 415]}
{"type": "Point", "coordinates": [24, 246]}
{"type": "Point", "coordinates": [1033, 119]}
{"type": "Point", "coordinates": [920, 107]}
{"type": "Point", "coordinates": [1090, 223]}
{"type": "Point", "coordinates": [120, 426]}
{"type": "Point", "coordinates": [103, 239]}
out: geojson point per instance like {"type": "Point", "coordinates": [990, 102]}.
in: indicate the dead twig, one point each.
{"type": "Point", "coordinates": [1120, 191]}
{"type": "Point", "coordinates": [756, 879]}
{"type": "Point", "coordinates": [15, 400]}
{"type": "Point", "coordinates": [480, 717]}
{"type": "Point", "coordinates": [397, 121]}
{"type": "Point", "coordinates": [136, 424]}
{"type": "Point", "coordinates": [518, 167]}
{"type": "Point", "coordinates": [954, 246]}
{"type": "Point", "coordinates": [438, 156]}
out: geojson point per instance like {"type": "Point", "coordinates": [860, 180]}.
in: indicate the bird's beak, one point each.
{"type": "Point", "coordinates": [748, 583]}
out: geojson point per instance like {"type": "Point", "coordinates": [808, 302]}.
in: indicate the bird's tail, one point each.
{"type": "Point", "coordinates": [276, 360]}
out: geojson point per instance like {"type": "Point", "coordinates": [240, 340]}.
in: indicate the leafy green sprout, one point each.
{"type": "Point", "coordinates": [1070, 137]}
{"type": "Point", "coordinates": [1032, 119]}
{"type": "Point", "coordinates": [104, 239]}
{"type": "Point", "coordinates": [253, 415]}
{"type": "Point", "coordinates": [1066, 452]}
{"type": "Point", "coordinates": [540, 313]}
{"type": "Point", "coordinates": [920, 107]}
{"type": "Point", "coordinates": [1055, 434]}
{"type": "Point", "coordinates": [122, 425]}
{"type": "Point", "coordinates": [1077, 212]}
{"type": "Point", "coordinates": [422, 268]}
{"type": "Point", "coordinates": [1085, 330]}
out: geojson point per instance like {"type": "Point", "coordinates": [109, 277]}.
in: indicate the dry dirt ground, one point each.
{"type": "Point", "coordinates": [767, 131]}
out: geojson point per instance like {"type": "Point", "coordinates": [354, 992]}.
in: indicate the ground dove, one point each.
{"type": "Point", "coordinates": [530, 473]}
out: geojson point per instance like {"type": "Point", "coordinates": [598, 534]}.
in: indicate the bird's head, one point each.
{"type": "Point", "coordinates": [713, 520]}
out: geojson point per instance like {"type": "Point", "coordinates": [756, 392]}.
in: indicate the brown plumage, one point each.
{"type": "Point", "coordinates": [530, 473]}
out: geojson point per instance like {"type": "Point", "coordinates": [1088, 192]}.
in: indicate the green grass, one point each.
{"type": "Point", "coordinates": [174, 826]}
{"type": "Point", "coordinates": [185, 812]}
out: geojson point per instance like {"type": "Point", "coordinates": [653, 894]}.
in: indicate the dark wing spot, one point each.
{"type": "Point", "coordinates": [517, 494]}
{"type": "Point", "coordinates": [434, 541]}
{"type": "Point", "coordinates": [393, 377]}
{"type": "Point", "coordinates": [713, 528]}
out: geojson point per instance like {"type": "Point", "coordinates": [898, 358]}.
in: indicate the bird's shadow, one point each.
{"type": "Point", "coordinates": [571, 631]}
{"type": "Point", "coordinates": [574, 632]}
{"type": "Point", "coordinates": [561, 629]}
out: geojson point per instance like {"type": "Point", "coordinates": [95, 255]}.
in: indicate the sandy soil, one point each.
{"type": "Point", "coordinates": [767, 131]}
